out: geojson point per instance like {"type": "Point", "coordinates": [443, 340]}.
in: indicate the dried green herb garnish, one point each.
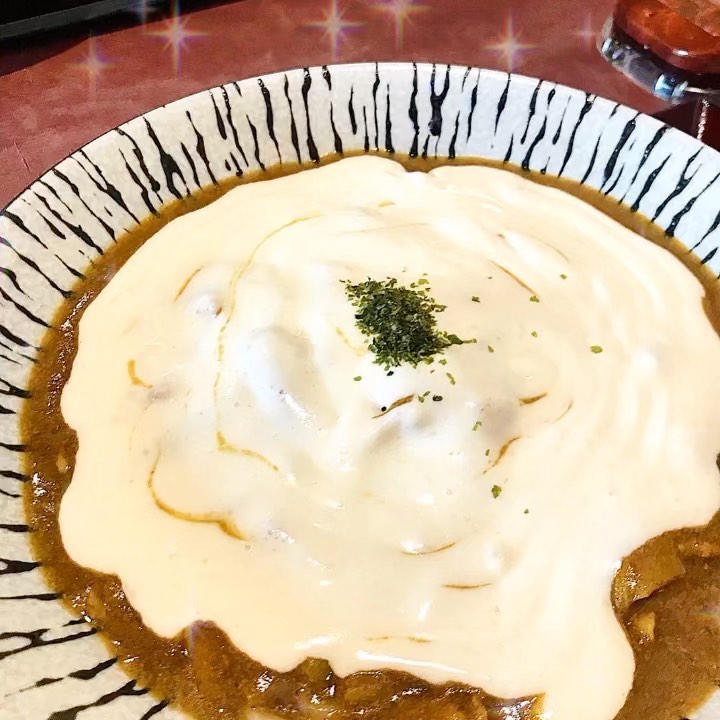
{"type": "Point", "coordinates": [534, 333]}
{"type": "Point", "coordinates": [596, 349]}
{"type": "Point", "coordinates": [400, 321]}
{"type": "Point", "coordinates": [357, 378]}
{"type": "Point", "coordinates": [477, 425]}
{"type": "Point", "coordinates": [496, 490]}
{"type": "Point", "coordinates": [534, 298]}
{"type": "Point", "coordinates": [475, 298]}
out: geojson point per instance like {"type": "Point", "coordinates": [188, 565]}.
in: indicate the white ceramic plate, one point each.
{"type": "Point", "coordinates": [53, 665]}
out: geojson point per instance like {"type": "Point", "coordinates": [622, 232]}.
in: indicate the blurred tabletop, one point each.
{"type": "Point", "coordinates": [58, 92]}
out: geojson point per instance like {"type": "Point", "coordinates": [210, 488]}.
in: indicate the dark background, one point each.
{"type": "Point", "coordinates": [17, 9]}
{"type": "Point", "coordinates": [22, 17]}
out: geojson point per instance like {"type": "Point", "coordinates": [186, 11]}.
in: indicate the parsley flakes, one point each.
{"type": "Point", "coordinates": [401, 322]}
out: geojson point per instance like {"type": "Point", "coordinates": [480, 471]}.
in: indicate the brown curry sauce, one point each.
{"type": "Point", "coordinates": [666, 594]}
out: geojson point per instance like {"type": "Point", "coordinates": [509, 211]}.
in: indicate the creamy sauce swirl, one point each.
{"type": "Point", "coordinates": [230, 425]}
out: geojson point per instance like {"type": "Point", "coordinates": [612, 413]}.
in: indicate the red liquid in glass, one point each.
{"type": "Point", "coordinates": [683, 33]}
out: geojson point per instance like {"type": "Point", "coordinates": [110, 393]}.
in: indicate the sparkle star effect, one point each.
{"type": "Point", "coordinates": [334, 26]}
{"type": "Point", "coordinates": [509, 45]}
{"type": "Point", "coordinates": [143, 9]}
{"type": "Point", "coordinates": [587, 32]}
{"type": "Point", "coordinates": [177, 35]}
{"type": "Point", "coordinates": [401, 12]}
{"type": "Point", "coordinates": [92, 65]}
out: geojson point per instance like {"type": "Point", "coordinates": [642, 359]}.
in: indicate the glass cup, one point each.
{"type": "Point", "coordinates": [671, 48]}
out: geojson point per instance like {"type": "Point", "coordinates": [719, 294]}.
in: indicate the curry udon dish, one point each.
{"type": "Point", "coordinates": [393, 442]}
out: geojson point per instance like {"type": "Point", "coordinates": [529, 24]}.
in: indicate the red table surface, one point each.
{"type": "Point", "coordinates": [56, 95]}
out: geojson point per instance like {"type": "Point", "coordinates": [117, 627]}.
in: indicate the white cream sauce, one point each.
{"type": "Point", "coordinates": [218, 369]}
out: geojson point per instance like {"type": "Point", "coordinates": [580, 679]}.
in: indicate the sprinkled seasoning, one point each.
{"type": "Point", "coordinates": [357, 378]}
{"type": "Point", "coordinates": [563, 276]}
{"type": "Point", "coordinates": [475, 298]}
{"type": "Point", "coordinates": [596, 349]}
{"type": "Point", "coordinates": [526, 512]}
{"type": "Point", "coordinates": [491, 348]}
{"type": "Point", "coordinates": [496, 490]}
{"type": "Point", "coordinates": [400, 321]}
{"type": "Point", "coordinates": [534, 334]}
{"type": "Point", "coordinates": [487, 452]}
{"type": "Point", "coordinates": [451, 378]}
{"type": "Point", "coordinates": [534, 298]}
{"type": "Point", "coordinates": [437, 398]}
{"type": "Point", "coordinates": [477, 425]}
